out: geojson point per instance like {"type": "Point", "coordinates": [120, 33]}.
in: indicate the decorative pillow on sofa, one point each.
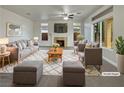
{"type": "Point", "coordinates": [14, 45]}
{"type": "Point", "coordinates": [30, 43]}
{"type": "Point", "coordinates": [23, 45]}
{"type": "Point", "coordinates": [88, 45]}
{"type": "Point", "coordinates": [95, 45]}
{"type": "Point", "coordinates": [26, 42]}
{"type": "Point", "coordinates": [20, 46]}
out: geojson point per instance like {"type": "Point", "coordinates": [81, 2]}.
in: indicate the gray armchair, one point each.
{"type": "Point", "coordinates": [93, 56]}
{"type": "Point", "coordinates": [81, 47]}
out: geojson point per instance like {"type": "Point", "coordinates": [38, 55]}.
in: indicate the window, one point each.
{"type": "Point", "coordinates": [77, 30]}
{"type": "Point", "coordinates": [97, 32]}
{"type": "Point", "coordinates": [44, 31]}
{"type": "Point", "coordinates": [76, 27]}
{"type": "Point", "coordinates": [107, 33]}
{"type": "Point", "coordinates": [103, 32]}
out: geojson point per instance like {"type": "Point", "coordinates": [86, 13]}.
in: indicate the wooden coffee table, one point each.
{"type": "Point", "coordinates": [55, 54]}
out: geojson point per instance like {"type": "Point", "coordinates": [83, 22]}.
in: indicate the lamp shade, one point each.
{"type": "Point", "coordinates": [4, 41]}
{"type": "Point", "coordinates": [35, 38]}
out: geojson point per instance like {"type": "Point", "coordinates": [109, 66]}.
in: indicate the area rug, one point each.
{"type": "Point", "coordinates": [92, 71]}
{"type": "Point", "coordinates": [52, 68]}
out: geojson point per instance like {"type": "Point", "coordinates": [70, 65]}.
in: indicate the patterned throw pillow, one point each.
{"type": "Point", "coordinates": [20, 46]}
{"type": "Point", "coordinates": [23, 45]}
{"type": "Point", "coordinates": [88, 45]}
{"type": "Point", "coordinates": [14, 45]}
{"type": "Point", "coordinates": [95, 45]}
{"type": "Point", "coordinates": [30, 43]}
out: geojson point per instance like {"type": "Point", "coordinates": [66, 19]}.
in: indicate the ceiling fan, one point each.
{"type": "Point", "coordinates": [67, 16]}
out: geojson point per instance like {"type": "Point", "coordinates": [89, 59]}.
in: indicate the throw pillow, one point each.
{"type": "Point", "coordinates": [30, 43]}
{"type": "Point", "coordinates": [96, 45]}
{"type": "Point", "coordinates": [88, 45]}
{"type": "Point", "coordinates": [20, 46]}
{"type": "Point", "coordinates": [14, 45]}
{"type": "Point", "coordinates": [23, 45]}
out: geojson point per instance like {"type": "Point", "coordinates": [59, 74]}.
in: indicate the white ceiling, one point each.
{"type": "Point", "coordinates": [48, 12]}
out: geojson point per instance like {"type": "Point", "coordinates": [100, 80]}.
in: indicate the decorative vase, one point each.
{"type": "Point", "coordinates": [55, 59]}
{"type": "Point", "coordinates": [3, 48]}
{"type": "Point", "coordinates": [55, 50]}
{"type": "Point", "coordinates": [120, 63]}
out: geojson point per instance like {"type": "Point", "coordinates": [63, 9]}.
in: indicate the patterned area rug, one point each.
{"type": "Point", "coordinates": [53, 68]}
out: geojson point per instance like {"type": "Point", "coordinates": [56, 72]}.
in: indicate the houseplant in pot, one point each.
{"type": "Point", "coordinates": [120, 53]}
{"type": "Point", "coordinates": [80, 39]}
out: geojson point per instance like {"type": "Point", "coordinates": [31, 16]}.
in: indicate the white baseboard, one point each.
{"type": "Point", "coordinates": [109, 61]}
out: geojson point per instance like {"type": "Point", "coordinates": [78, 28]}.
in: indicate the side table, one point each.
{"type": "Point", "coordinates": [3, 56]}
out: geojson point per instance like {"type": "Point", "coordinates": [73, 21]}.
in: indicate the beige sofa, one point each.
{"type": "Point", "coordinates": [21, 49]}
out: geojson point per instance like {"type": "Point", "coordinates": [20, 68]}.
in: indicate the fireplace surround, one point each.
{"type": "Point", "coordinates": [61, 40]}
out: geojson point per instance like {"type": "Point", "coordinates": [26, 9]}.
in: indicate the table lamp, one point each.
{"type": "Point", "coordinates": [36, 40]}
{"type": "Point", "coordinates": [3, 42]}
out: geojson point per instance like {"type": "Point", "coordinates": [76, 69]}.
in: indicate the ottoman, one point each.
{"type": "Point", "coordinates": [73, 73]}
{"type": "Point", "coordinates": [28, 72]}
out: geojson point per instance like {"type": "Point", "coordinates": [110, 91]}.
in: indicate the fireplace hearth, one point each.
{"type": "Point", "coordinates": [61, 40]}
{"type": "Point", "coordinates": [61, 43]}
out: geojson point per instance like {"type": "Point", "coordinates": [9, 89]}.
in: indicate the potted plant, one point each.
{"type": "Point", "coordinates": [55, 46]}
{"type": "Point", "coordinates": [120, 53]}
{"type": "Point", "coordinates": [80, 38]}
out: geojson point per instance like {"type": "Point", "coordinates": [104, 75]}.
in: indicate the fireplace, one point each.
{"type": "Point", "coordinates": [61, 43]}
{"type": "Point", "coordinates": [61, 40]}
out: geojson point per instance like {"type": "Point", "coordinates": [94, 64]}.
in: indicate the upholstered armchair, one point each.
{"type": "Point", "coordinates": [80, 51]}
{"type": "Point", "coordinates": [75, 46]}
{"type": "Point", "coordinates": [81, 47]}
{"type": "Point", "coordinates": [93, 56]}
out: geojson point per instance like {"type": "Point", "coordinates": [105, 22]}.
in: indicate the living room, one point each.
{"type": "Point", "coordinates": [39, 46]}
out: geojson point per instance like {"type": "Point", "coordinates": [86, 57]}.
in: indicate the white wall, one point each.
{"type": "Point", "coordinates": [88, 29]}
{"type": "Point", "coordinates": [118, 21]}
{"type": "Point", "coordinates": [10, 17]}
{"type": "Point", "coordinates": [52, 34]}
{"type": "Point", "coordinates": [82, 27]}
{"type": "Point", "coordinates": [118, 29]}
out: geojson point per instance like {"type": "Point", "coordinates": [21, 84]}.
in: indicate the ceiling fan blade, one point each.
{"type": "Point", "coordinates": [70, 17]}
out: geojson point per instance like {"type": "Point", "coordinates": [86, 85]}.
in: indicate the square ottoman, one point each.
{"type": "Point", "coordinates": [28, 72]}
{"type": "Point", "coordinates": [73, 73]}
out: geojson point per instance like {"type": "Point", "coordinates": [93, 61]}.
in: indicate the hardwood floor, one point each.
{"type": "Point", "coordinates": [56, 81]}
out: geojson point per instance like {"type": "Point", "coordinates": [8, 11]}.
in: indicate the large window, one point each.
{"type": "Point", "coordinates": [107, 33]}
{"type": "Point", "coordinates": [97, 32]}
{"type": "Point", "coordinates": [103, 32]}
{"type": "Point", "coordinates": [44, 31]}
{"type": "Point", "coordinates": [77, 30]}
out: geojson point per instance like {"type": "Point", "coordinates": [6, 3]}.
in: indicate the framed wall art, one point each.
{"type": "Point", "coordinates": [14, 30]}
